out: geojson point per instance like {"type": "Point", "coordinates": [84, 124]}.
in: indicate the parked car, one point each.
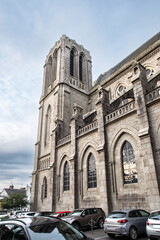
{"type": "Point", "coordinates": [45, 214]}
{"type": "Point", "coordinates": [39, 228]}
{"type": "Point", "coordinates": [3, 215]}
{"type": "Point", "coordinates": [15, 213]}
{"type": "Point", "coordinates": [153, 225]}
{"type": "Point", "coordinates": [81, 218]}
{"type": "Point", "coordinates": [130, 223]}
{"type": "Point", "coordinates": [26, 214]}
{"type": "Point", "coordinates": [60, 214]}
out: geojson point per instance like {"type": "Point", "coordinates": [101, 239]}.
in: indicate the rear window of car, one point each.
{"type": "Point", "coordinates": [155, 215]}
{"type": "Point", "coordinates": [58, 230]}
{"type": "Point", "coordinates": [117, 215]}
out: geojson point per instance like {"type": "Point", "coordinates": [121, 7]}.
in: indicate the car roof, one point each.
{"type": "Point", "coordinates": [62, 211]}
{"type": "Point", "coordinates": [128, 210]}
{"type": "Point", "coordinates": [32, 221]}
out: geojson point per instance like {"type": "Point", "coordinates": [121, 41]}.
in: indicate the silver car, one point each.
{"type": "Point", "coordinates": [130, 223]}
{"type": "Point", "coordinates": [153, 225]}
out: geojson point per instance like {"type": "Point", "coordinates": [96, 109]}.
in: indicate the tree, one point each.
{"type": "Point", "coordinates": [15, 201]}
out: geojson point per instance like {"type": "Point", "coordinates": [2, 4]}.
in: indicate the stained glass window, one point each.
{"type": "Point", "coordinates": [44, 188]}
{"type": "Point", "coordinates": [129, 164]}
{"type": "Point", "coordinates": [92, 176]}
{"type": "Point", "coordinates": [66, 185]}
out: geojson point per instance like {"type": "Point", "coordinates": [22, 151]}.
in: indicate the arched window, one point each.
{"type": "Point", "coordinates": [48, 123]}
{"type": "Point", "coordinates": [72, 56]}
{"type": "Point", "coordinates": [66, 180]}
{"type": "Point", "coordinates": [128, 164]}
{"type": "Point", "coordinates": [55, 65]}
{"type": "Point", "coordinates": [44, 188]}
{"type": "Point", "coordinates": [91, 170]}
{"type": "Point", "coordinates": [81, 68]}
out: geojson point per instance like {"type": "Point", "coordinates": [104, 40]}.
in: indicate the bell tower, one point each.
{"type": "Point", "coordinates": [67, 76]}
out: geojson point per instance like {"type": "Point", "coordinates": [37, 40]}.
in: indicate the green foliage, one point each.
{"type": "Point", "coordinates": [4, 218]}
{"type": "Point", "coordinates": [15, 201]}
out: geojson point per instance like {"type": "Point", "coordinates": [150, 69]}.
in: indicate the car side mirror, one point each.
{"type": "Point", "coordinates": [83, 214]}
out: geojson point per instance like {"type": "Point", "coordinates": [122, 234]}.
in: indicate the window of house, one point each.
{"type": "Point", "coordinates": [91, 168]}
{"type": "Point", "coordinates": [72, 63]}
{"type": "Point", "coordinates": [128, 164]}
{"type": "Point", "coordinates": [66, 177]}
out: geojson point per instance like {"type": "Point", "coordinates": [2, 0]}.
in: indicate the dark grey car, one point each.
{"type": "Point", "coordinates": [130, 223]}
{"type": "Point", "coordinates": [81, 218]}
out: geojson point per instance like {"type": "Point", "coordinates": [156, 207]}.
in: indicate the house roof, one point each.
{"type": "Point", "coordinates": [128, 58]}
{"type": "Point", "coordinates": [13, 191]}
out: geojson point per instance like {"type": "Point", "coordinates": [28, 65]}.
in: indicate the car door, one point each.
{"type": "Point", "coordinates": [135, 220]}
{"type": "Point", "coordinates": [85, 218]}
{"type": "Point", "coordinates": [143, 218]}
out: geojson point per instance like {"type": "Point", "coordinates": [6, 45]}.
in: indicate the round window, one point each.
{"type": "Point", "coordinates": [149, 71]}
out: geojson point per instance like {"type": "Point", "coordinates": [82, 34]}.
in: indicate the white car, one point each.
{"type": "Point", "coordinates": [26, 214]}
{"type": "Point", "coordinates": [153, 225]}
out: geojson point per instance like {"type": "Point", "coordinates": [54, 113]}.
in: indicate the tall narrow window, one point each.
{"type": "Point", "coordinates": [44, 188]}
{"type": "Point", "coordinates": [55, 65]}
{"type": "Point", "coordinates": [48, 123]}
{"type": "Point", "coordinates": [81, 68]}
{"type": "Point", "coordinates": [66, 182]}
{"type": "Point", "coordinates": [92, 175]}
{"type": "Point", "coordinates": [72, 63]}
{"type": "Point", "coordinates": [129, 164]}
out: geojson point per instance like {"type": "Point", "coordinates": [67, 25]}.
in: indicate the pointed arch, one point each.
{"type": "Point", "coordinates": [91, 171]}
{"type": "Point", "coordinates": [55, 65]}
{"type": "Point", "coordinates": [72, 62]}
{"type": "Point", "coordinates": [66, 177]}
{"type": "Point", "coordinates": [128, 163]}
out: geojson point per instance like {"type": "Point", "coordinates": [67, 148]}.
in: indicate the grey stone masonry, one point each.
{"type": "Point", "coordinates": [140, 87]}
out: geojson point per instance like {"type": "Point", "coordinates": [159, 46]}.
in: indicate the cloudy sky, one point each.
{"type": "Point", "coordinates": [109, 29]}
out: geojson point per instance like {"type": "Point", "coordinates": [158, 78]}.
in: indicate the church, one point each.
{"type": "Point", "coordinates": [98, 145]}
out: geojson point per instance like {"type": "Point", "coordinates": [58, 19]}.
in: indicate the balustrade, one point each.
{"type": "Point", "coordinates": [153, 95]}
{"type": "Point", "coordinates": [127, 108]}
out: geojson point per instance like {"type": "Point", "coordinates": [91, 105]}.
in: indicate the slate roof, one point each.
{"type": "Point", "coordinates": [9, 191]}
{"type": "Point", "coordinates": [128, 58]}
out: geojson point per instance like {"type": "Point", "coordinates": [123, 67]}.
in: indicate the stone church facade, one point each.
{"type": "Point", "coordinates": [98, 146]}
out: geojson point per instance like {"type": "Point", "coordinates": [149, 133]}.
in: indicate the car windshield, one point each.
{"type": "Point", "coordinates": [76, 213]}
{"type": "Point", "coordinates": [57, 230]}
{"type": "Point", "coordinates": [117, 215]}
{"type": "Point", "coordinates": [155, 215]}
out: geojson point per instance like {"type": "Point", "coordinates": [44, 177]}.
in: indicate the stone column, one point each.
{"type": "Point", "coordinates": [100, 107]}
{"type": "Point", "coordinates": [75, 122]}
{"type": "Point", "coordinates": [140, 87]}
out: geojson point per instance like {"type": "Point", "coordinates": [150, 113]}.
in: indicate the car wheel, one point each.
{"type": "Point", "coordinates": [76, 225]}
{"type": "Point", "coordinates": [133, 233]}
{"type": "Point", "coordinates": [101, 223]}
{"type": "Point", "coordinates": [111, 235]}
